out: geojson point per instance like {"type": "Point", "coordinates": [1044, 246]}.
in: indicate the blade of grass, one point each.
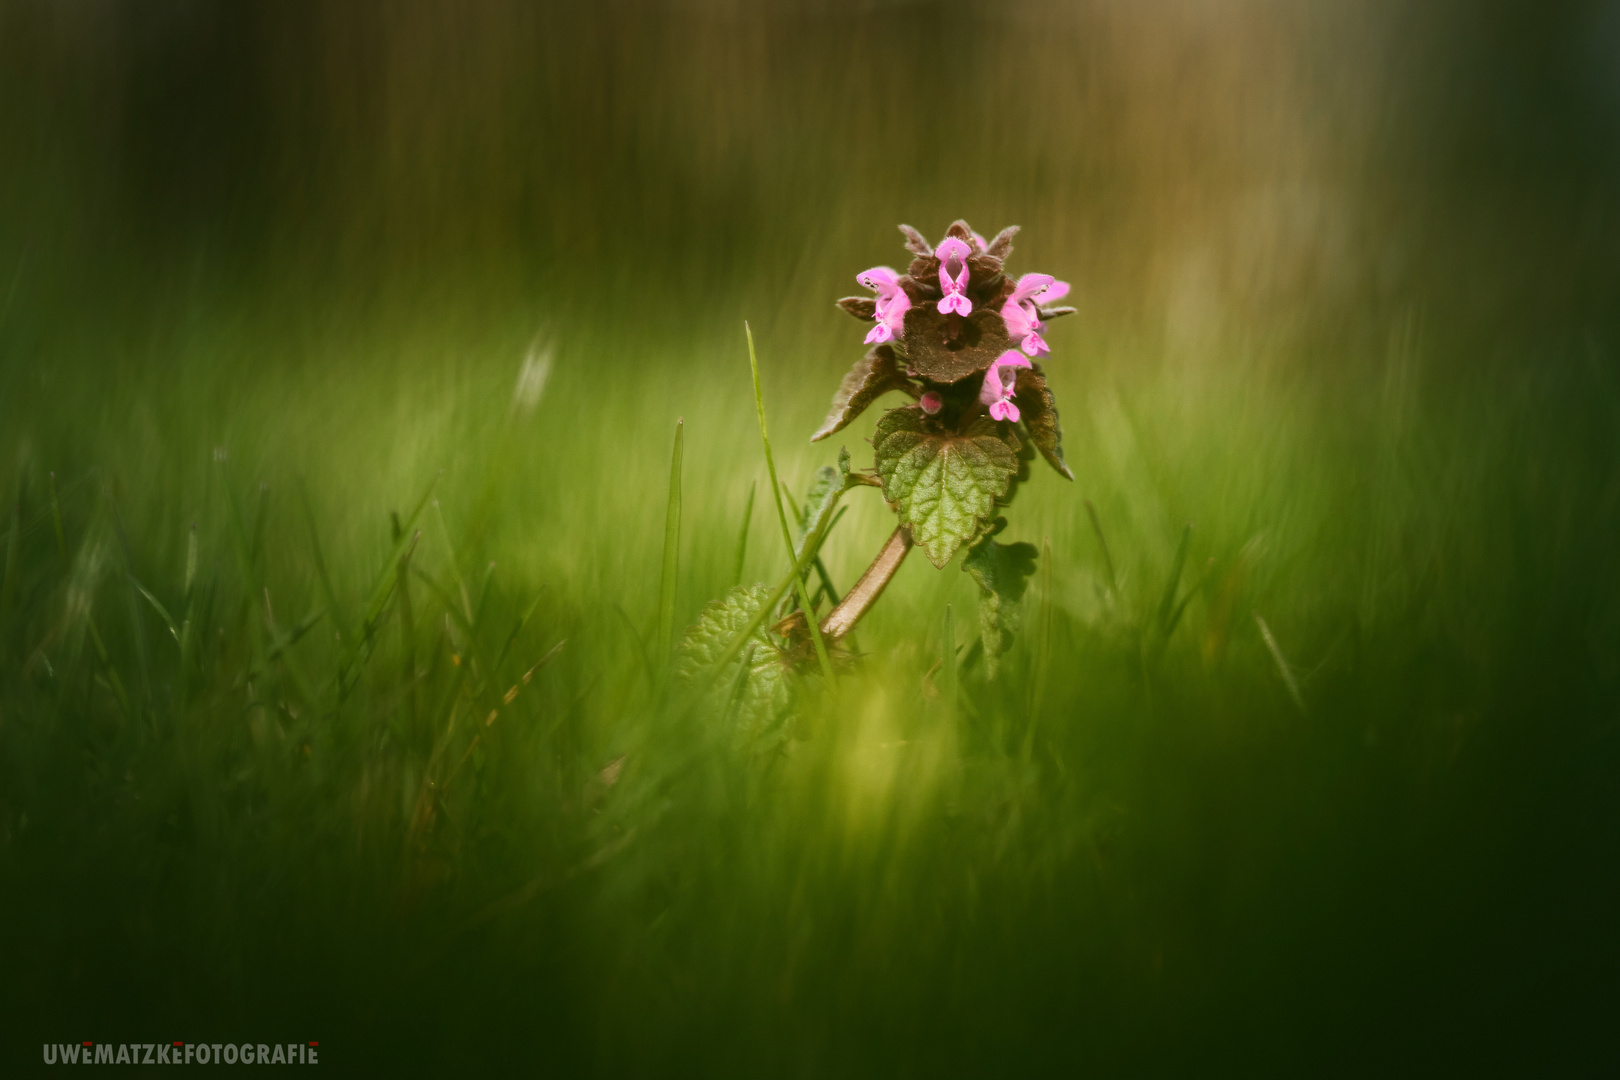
{"type": "Point", "coordinates": [13, 536]}
{"type": "Point", "coordinates": [137, 625]}
{"type": "Point", "coordinates": [806, 556]}
{"type": "Point", "coordinates": [1187, 598]}
{"type": "Point", "coordinates": [742, 534]}
{"type": "Point", "coordinates": [672, 549]}
{"type": "Point", "coordinates": [1043, 649]}
{"type": "Point", "coordinates": [455, 565]}
{"type": "Point", "coordinates": [1102, 542]}
{"type": "Point", "coordinates": [157, 605]}
{"type": "Point", "coordinates": [517, 628]}
{"type": "Point", "coordinates": [821, 567]}
{"type": "Point", "coordinates": [338, 620]}
{"type": "Point", "coordinates": [1283, 669]}
{"type": "Point", "coordinates": [259, 523]}
{"type": "Point", "coordinates": [640, 643]}
{"type": "Point", "coordinates": [387, 575]}
{"type": "Point", "coordinates": [1168, 601]}
{"type": "Point", "coordinates": [245, 563]}
{"type": "Point", "coordinates": [56, 520]}
{"type": "Point", "coordinates": [407, 633]}
{"type": "Point", "coordinates": [183, 678]}
{"type": "Point", "coordinates": [781, 516]}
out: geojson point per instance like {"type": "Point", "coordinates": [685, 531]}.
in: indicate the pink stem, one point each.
{"type": "Point", "coordinates": [842, 619]}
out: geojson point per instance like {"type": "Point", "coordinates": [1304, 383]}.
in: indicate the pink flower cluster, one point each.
{"type": "Point", "coordinates": [1020, 311]}
{"type": "Point", "coordinates": [892, 303]}
{"type": "Point", "coordinates": [1022, 314]}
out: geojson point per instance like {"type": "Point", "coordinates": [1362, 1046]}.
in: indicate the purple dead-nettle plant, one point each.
{"type": "Point", "coordinates": [965, 352]}
{"type": "Point", "coordinates": [959, 338]}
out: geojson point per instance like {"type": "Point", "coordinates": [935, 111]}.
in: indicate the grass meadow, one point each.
{"type": "Point", "coordinates": [333, 698]}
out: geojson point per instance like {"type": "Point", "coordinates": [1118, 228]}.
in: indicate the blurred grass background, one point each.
{"type": "Point", "coordinates": [1346, 280]}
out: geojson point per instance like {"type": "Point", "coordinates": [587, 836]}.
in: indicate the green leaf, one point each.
{"type": "Point", "coordinates": [751, 684]}
{"type": "Point", "coordinates": [1039, 414]}
{"type": "Point", "coordinates": [825, 489]}
{"type": "Point", "coordinates": [1003, 572]}
{"type": "Point", "coordinates": [874, 375]}
{"type": "Point", "coordinates": [943, 484]}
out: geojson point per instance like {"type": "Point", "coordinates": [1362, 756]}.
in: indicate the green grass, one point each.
{"type": "Point", "coordinates": [332, 708]}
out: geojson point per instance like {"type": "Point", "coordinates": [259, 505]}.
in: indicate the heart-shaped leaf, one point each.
{"type": "Point", "coordinates": [752, 686]}
{"type": "Point", "coordinates": [943, 484]}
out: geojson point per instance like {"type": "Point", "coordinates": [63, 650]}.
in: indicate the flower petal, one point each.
{"type": "Point", "coordinates": [1029, 285]}
{"type": "Point", "coordinates": [880, 279]}
{"type": "Point", "coordinates": [991, 390]}
{"type": "Point", "coordinates": [1019, 321]}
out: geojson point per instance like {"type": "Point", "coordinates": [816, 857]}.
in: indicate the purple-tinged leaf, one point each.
{"type": "Point", "coordinates": [874, 375]}
{"type": "Point", "coordinates": [1040, 417]}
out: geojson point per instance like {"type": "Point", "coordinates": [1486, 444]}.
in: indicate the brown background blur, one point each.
{"type": "Point", "coordinates": [1197, 168]}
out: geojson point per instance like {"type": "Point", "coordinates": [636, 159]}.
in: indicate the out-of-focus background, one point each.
{"type": "Point", "coordinates": [1346, 278]}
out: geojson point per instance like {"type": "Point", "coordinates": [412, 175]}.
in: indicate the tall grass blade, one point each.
{"type": "Point", "coordinates": [781, 516]}
{"type": "Point", "coordinates": [338, 619]}
{"type": "Point", "coordinates": [1187, 597]}
{"type": "Point", "coordinates": [796, 573]}
{"type": "Point", "coordinates": [1102, 542]}
{"type": "Point", "coordinates": [56, 520]}
{"type": "Point", "coordinates": [672, 548]}
{"type": "Point", "coordinates": [256, 552]}
{"type": "Point", "coordinates": [137, 624]}
{"type": "Point", "coordinates": [191, 559]}
{"type": "Point", "coordinates": [407, 633]}
{"type": "Point", "coordinates": [1283, 669]}
{"type": "Point", "coordinates": [742, 533]}
{"type": "Point", "coordinates": [1167, 602]}
{"type": "Point", "coordinates": [8, 585]}
{"type": "Point", "coordinates": [455, 564]}
{"type": "Point", "coordinates": [948, 675]}
{"type": "Point", "coordinates": [1043, 648]}
{"type": "Point", "coordinates": [387, 574]}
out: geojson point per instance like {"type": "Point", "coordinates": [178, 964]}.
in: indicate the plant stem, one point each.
{"type": "Point", "coordinates": [842, 619]}
{"type": "Point", "coordinates": [781, 515]}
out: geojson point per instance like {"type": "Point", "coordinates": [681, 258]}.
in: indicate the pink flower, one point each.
{"type": "Point", "coordinates": [1021, 312]}
{"type": "Point", "coordinates": [892, 303]}
{"type": "Point", "coordinates": [1000, 385]}
{"type": "Point", "coordinates": [931, 402]}
{"type": "Point", "coordinates": [881, 280]}
{"type": "Point", "coordinates": [891, 318]}
{"type": "Point", "coordinates": [1024, 327]}
{"type": "Point", "coordinates": [953, 276]}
